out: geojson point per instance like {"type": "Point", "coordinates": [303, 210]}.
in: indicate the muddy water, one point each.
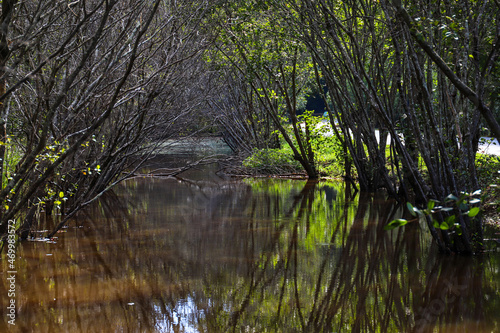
{"type": "Point", "coordinates": [206, 254]}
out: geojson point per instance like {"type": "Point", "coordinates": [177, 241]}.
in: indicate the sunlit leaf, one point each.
{"type": "Point", "coordinates": [431, 204]}
{"type": "Point", "coordinates": [473, 212]}
{"type": "Point", "coordinates": [444, 226]}
{"type": "Point", "coordinates": [395, 223]}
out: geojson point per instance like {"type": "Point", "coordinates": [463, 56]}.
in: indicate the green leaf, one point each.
{"type": "Point", "coordinates": [431, 204]}
{"type": "Point", "coordinates": [444, 226]}
{"type": "Point", "coordinates": [435, 224]}
{"type": "Point", "coordinates": [450, 219]}
{"type": "Point", "coordinates": [395, 224]}
{"type": "Point", "coordinates": [411, 209]}
{"type": "Point", "coordinates": [473, 212]}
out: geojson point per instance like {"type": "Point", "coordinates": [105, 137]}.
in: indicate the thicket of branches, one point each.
{"type": "Point", "coordinates": [422, 72]}
{"type": "Point", "coordinates": [86, 87]}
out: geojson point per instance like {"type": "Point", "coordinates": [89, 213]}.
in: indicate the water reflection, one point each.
{"type": "Point", "coordinates": [211, 255]}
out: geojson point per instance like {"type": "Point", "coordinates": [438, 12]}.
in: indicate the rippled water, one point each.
{"type": "Point", "coordinates": [204, 254]}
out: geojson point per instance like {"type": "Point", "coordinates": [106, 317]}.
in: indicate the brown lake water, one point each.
{"type": "Point", "coordinates": [206, 254]}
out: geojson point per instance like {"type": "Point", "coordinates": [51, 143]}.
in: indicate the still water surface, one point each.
{"type": "Point", "coordinates": [204, 254]}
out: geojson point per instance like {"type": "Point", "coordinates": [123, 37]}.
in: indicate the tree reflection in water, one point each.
{"type": "Point", "coordinates": [256, 255]}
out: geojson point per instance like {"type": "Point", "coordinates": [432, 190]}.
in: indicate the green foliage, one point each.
{"type": "Point", "coordinates": [331, 158]}
{"type": "Point", "coordinates": [488, 169]}
{"type": "Point", "coordinates": [13, 155]}
{"type": "Point", "coordinates": [466, 205]}
{"type": "Point", "coordinates": [272, 161]}
{"type": "Point", "coordinates": [327, 148]}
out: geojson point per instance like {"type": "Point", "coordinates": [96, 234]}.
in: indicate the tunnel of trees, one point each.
{"type": "Point", "coordinates": [88, 88]}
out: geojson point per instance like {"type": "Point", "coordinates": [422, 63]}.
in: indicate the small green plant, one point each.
{"type": "Point", "coordinates": [467, 204]}
{"type": "Point", "coordinates": [272, 161]}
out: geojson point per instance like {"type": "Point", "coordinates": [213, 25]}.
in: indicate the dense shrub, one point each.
{"type": "Point", "coordinates": [272, 161]}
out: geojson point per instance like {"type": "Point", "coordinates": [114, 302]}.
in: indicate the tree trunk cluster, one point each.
{"type": "Point", "coordinates": [86, 87]}
{"type": "Point", "coordinates": [409, 86]}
